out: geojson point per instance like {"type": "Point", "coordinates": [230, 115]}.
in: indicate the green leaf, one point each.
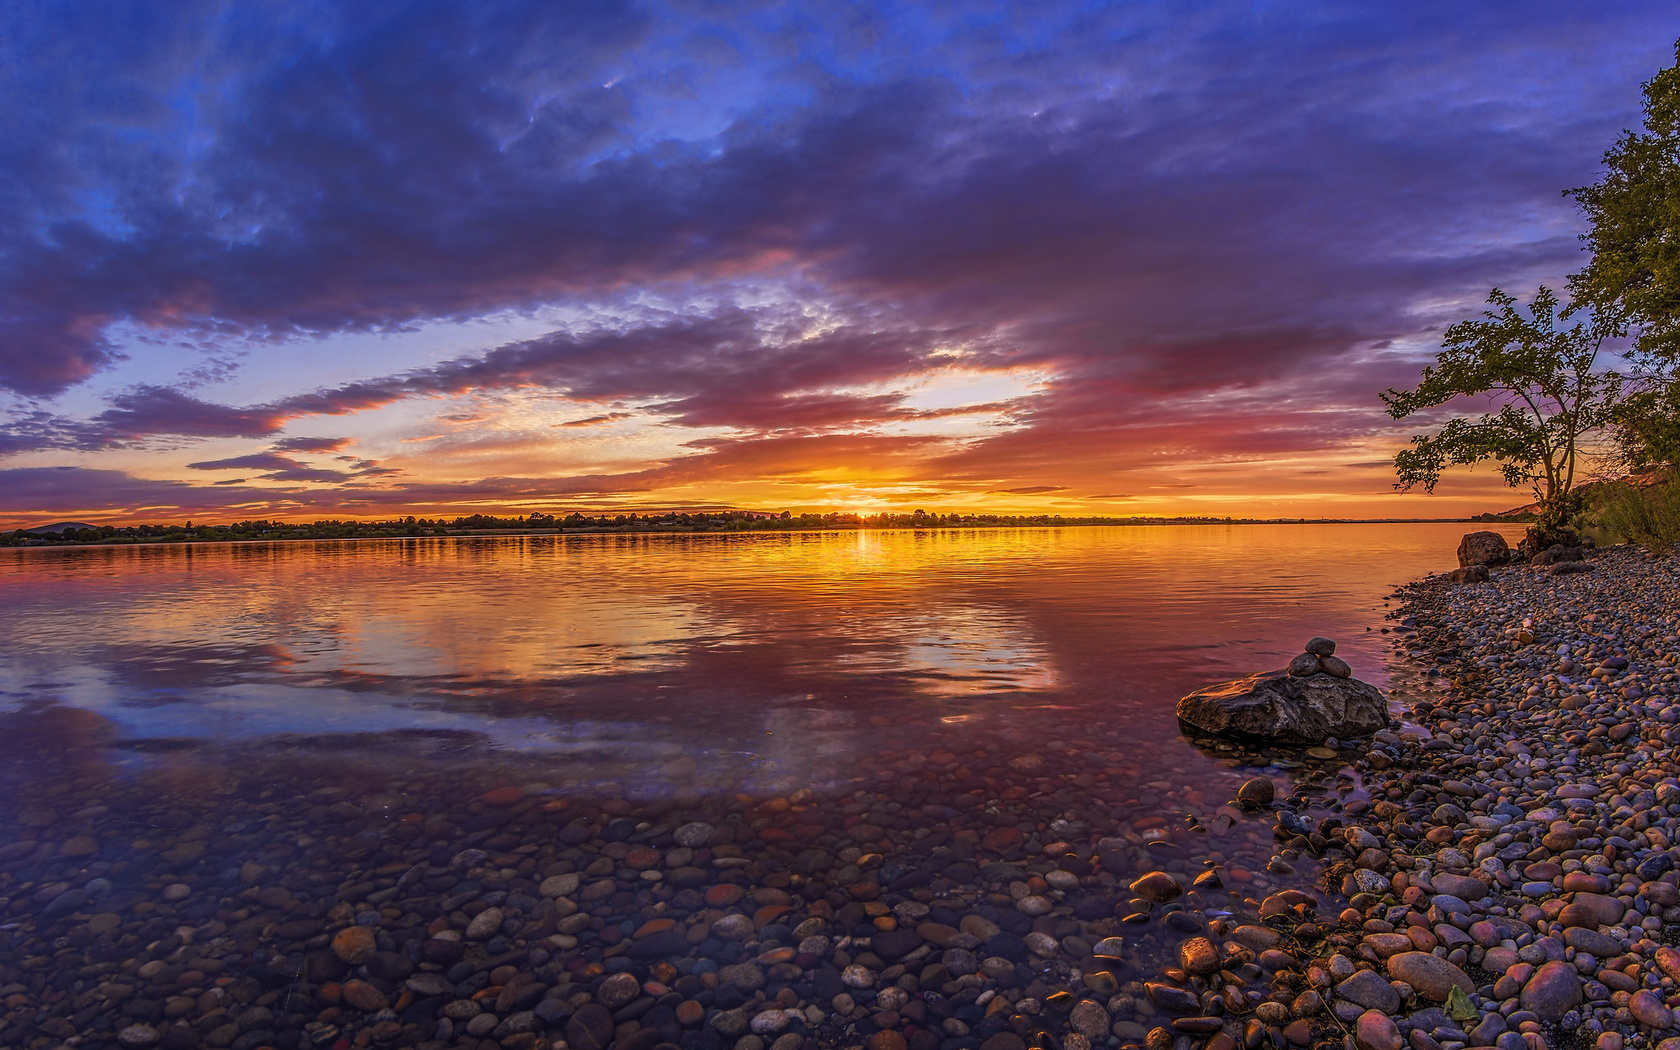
{"type": "Point", "coordinates": [1459, 1006]}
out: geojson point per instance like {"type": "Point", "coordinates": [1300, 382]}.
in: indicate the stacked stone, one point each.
{"type": "Point", "coordinates": [1320, 658]}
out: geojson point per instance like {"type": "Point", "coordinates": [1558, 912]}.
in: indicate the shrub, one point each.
{"type": "Point", "coordinates": [1648, 515]}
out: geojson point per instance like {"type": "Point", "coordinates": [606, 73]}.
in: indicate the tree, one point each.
{"type": "Point", "coordinates": [1634, 273]}
{"type": "Point", "coordinates": [1634, 211]}
{"type": "Point", "coordinates": [1545, 392]}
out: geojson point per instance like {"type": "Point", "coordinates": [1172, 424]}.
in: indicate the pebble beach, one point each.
{"type": "Point", "coordinates": [1495, 871]}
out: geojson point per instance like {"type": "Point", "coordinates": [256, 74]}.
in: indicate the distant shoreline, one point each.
{"type": "Point", "coordinates": [34, 542]}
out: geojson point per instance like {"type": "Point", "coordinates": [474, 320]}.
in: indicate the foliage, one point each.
{"type": "Point", "coordinates": [1643, 514]}
{"type": "Point", "coordinates": [1633, 277]}
{"type": "Point", "coordinates": [1546, 392]}
{"type": "Point", "coordinates": [1646, 427]}
{"type": "Point", "coordinates": [1634, 211]}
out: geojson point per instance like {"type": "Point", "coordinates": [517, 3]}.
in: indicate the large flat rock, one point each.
{"type": "Point", "coordinates": [1289, 709]}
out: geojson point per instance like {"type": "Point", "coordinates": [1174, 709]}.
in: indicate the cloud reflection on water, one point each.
{"type": "Point", "coordinates": [779, 647]}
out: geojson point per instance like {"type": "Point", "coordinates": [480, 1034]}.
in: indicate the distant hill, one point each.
{"type": "Point", "coordinates": [1588, 490]}
{"type": "Point", "coordinates": [57, 527]}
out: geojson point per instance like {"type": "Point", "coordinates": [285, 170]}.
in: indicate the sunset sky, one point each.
{"type": "Point", "coordinates": [359, 259]}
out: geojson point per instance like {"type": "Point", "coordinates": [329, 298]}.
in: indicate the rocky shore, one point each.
{"type": "Point", "coordinates": [1512, 883]}
{"type": "Point", "coordinates": [1497, 872]}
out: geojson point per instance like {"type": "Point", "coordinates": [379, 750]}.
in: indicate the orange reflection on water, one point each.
{"type": "Point", "coordinates": [524, 638]}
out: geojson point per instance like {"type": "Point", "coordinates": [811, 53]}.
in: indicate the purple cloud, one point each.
{"type": "Point", "coordinates": [310, 444]}
{"type": "Point", "coordinates": [256, 461]}
{"type": "Point", "coordinates": [279, 467]}
{"type": "Point", "coordinates": [1157, 208]}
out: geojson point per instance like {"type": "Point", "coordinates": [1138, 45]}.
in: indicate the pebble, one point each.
{"type": "Point", "coordinates": [1649, 1009]}
{"type": "Point", "coordinates": [1257, 791]}
{"type": "Point", "coordinates": [1198, 956]}
{"type": "Point", "coordinates": [619, 990]}
{"type": "Point", "coordinates": [484, 925]}
{"type": "Point", "coordinates": [1553, 990]}
{"type": "Point", "coordinates": [1157, 886]}
{"type": "Point", "coordinates": [694, 835]}
{"type": "Point", "coordinates": [79, 846]}
{"type": "Point", "coordinates": [365, 996]}
{"type": "Point", "coordinates": [1374, 1030]}
{"type": "Point", "coordinates": [1370, 990]}
{"type": "Point", "coordinates": [1089, 1019]}
{"type": "Point", "coordinates": [1429, 975]}
{"type": "Point", "coordinates": [354, 944]}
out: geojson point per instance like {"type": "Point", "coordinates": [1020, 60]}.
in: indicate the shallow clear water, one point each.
{"type": "Point", "coordinates": [212, 757]}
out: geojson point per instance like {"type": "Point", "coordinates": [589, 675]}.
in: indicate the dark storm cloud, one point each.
{"type": "Point", "coordinates": [1157, 203]}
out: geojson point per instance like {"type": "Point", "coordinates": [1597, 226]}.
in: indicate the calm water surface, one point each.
{"type": "Point", "coordinates": [752, 654]}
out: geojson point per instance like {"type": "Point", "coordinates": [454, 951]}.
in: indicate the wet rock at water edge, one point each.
{"type": "Point", "coordinates": [1157, 886]}
{"type": "Point", "coordinates": [1305, 664]}
{"type": "Point", "coordinates": [1199, 957]}
{"type": "Point", "coordinates": [1257, 792]}
{"type": "Point", "coordinates": [1314, 699]}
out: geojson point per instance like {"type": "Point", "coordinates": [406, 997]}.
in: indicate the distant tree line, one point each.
{"type": "Point", "coordinates": [537, 521]}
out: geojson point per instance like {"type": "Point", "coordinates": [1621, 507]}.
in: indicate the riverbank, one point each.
{"type": "Point", "coordinates": [1512, 883]}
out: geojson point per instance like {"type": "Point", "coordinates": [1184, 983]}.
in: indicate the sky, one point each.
{"type": "Point", "coordinates": [371, 259]}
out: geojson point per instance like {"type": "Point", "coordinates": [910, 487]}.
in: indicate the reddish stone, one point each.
{"type": "Point", "coordinates": [365, 997]}
{"type": "Point", "coordinates": [769, 914]}
{"type": "Point", "coordinates": [1000, 840]}
{"type": "Point", "coordinates": [723, 895]}
{"type": "Point", "coordinates": [354, 944]}
{"type": "Point", "coordinates": [504, 796]}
